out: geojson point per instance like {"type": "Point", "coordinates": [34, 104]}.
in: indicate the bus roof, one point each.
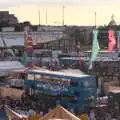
{"type": "Point", "coordinates": [115, 91]}
{"type": "Point", "coordinates": [62, 74]}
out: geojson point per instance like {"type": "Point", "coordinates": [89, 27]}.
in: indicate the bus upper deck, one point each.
{"type": "Point", "coordinates": [77, 90]}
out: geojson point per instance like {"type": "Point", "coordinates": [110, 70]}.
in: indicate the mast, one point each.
{"type": "Point", "coordinates": [63, 15]}
{"type": "Point", "coordinates": [95, 19]}
{"type": "Point", "coordinates": [46, 16]}
{"type": "Point", "coordinates": [39, 17]}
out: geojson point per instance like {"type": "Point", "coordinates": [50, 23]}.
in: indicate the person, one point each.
{"type": "Point", "coordinates": [26, 118]}
{"type": "Point", "coordinates": [92, 115]}
{"type": "Point", "coordinates": [72, 110]}
{"type": "Point", "coordinates": [31, 112]}
{"type": "Point", "coordinates": [84, 116]}
{"type": "Point", "coordinates": [41, 113]}
{"type": "Point", "coordinates": [49, 109]}
{"type": "Point", "coordinates": [37, 116]}
{"type": "Point", "coordinates": [108, 116]}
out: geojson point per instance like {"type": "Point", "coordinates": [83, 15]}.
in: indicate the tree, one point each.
{"type": "Point", "coordinates": [27, 23]}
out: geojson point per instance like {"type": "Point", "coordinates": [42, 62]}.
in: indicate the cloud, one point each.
{"type": "Point", "coordinates": [14, 3]}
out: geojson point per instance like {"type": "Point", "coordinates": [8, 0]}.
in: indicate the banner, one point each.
{"type": "Point", "coordinates": [112, 40]}
{"type": "Point", "coordinates": [28, 49]}
{"type": "Point", "coordinates": [28, 42]}
{"type": "Point", "coordinates": [95, 48]}
{"type": "Point", "coordinates": [25, 59]}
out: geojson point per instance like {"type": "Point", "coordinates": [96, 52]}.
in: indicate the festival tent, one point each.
{"type": "Point", "coordinates": [14, 66]}
{"type": "Point", "coordinates": [8, 66]}
{"type": "Point", "coordinates": [59, 113]}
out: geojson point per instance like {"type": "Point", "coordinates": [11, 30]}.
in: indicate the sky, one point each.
{"type": "Point", "coordinates": [76, 12]}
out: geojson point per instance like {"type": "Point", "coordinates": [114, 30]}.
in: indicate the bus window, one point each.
{"type": "Point", "coordinates": [37, 77]}
{"type": "Point", "coordinates": [88, 83]}
{"type": "Point", "coordinates": [77, 94]}
{"type": "Point", "coordinates": [73, 83]}
{"type": "Point", "coordinates": [82, 85]}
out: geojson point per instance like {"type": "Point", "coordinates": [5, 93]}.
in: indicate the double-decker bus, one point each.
{"type": "Point", "coordinates": [73, 90]}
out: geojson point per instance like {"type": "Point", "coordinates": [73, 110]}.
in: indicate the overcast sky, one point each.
{"type": "Point", "coordinates": [76, 12]}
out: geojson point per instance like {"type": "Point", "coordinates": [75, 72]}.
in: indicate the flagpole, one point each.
{"type": "Point", "coordinates": [39, 17]}
{"type": "Point", "coordinates": [46, 16]}
{"type": "Point", "coordinates": [63, 15]}
{"type": "Point", "coordinates": [95, 20]}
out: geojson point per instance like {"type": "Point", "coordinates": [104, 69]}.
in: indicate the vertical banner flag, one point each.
{"type": "Point", "coordinates": [28, 49]}
{"type": "Point", "coordinates": [95, 48]}
{"type": "Point", "coordinates": [28, 42]}
{"type": "Point", "coordinates": [112, 40]}
{"type": "Point", "coordinates": [118, 41]}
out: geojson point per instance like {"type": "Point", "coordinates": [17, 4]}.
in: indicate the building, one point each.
{"type": "Point", "coordinates": [112, 22]}
{"type": "Point", "coordinates": [68, 39]}
{"type": "Point", "coordinates": [7, 19]}
{"type": "Point", "coordinates": [106, 69]}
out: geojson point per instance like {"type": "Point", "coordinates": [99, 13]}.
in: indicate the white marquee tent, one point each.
{"type": "Point", "coordinates": [8, 66]}
{"type": "Point", "coordinates": [59, 113]}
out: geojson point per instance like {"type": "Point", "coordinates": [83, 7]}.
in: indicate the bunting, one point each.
{"type": "Point", "coordinates": [95, 48]}
{"type": "Point", "coordinates": [112, 40]}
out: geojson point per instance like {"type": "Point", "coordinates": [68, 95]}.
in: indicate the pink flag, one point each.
{"type": "Point", "coordinates": [112, 40]}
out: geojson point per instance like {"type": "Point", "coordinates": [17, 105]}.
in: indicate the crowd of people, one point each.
{"type": "Point", "coordinates": [29, 106]}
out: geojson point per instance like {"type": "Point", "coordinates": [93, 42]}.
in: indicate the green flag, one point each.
{"type": "Point", "coordinates": [95, 48]}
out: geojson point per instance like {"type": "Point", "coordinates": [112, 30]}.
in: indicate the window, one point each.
{"type": "Point", "coordinates": [73, 83]}
{"type": "Point", "coordinates": [88, 83]}
{"type": "Point", "coordinates": [46, 77]}
{"type": "Point", "coordinates": [77, 94]}
{"type": "Point", "coordinates": [37, 77]}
